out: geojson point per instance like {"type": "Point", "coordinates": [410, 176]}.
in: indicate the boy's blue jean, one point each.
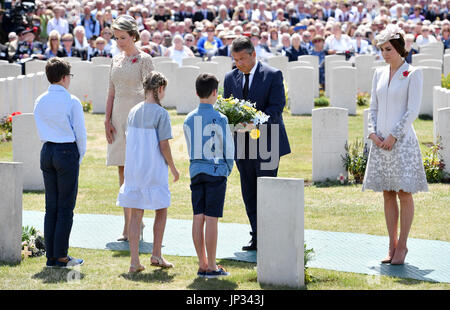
{"type": "Point", "coordinates": [60, 167]}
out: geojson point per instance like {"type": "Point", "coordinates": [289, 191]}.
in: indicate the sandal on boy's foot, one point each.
{"type": "Point", "coordinates": [219, 272]}
{"type": "Point", "coordinates": [71, 262]}
{"type": "Point", "coordinates": [160, 262]}
{"type": "Point", "coordinates": [136, 269]}
{"type": "Point", "coordinates": [201, 273]}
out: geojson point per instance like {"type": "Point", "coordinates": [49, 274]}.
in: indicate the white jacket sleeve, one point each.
{"type": "Point", "coordinates": [413, 108]}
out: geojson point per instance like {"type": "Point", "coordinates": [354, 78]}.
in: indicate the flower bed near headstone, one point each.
{"type": "Point", "coordinates": [434, 165]}
{"type": "Point", "coordinates": [32, 242]}
{"type": "Point", "coordinates": [355, 159]}
{"type": "Point", "coordinates": [6, 127]}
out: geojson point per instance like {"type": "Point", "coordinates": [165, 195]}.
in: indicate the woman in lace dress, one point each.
{"type": "Point", "coordinates": [128, 71]}
{"type": "Point", "coordinates": [395, 164]}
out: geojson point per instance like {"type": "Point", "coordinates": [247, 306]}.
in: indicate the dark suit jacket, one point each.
{"type": "Point", "coordinates": [223, 51]}
{"type": "Point", "coordinates": [198, 16]}
{"type": "Point", "coordinates": [267, 91]}
{"type": "Point", "coordinates": [75, 53]}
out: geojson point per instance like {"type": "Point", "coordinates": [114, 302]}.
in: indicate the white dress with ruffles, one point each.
{"type": "Point", "coordinates": [146, 184]}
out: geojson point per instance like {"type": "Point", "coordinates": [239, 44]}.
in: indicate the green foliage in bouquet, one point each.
{"type": "Point", "coordinates": [33, 240]}
{"type": "Point", "coordinates": [355, 159]}
{"type": "Point", "coordinates": [433, 164]}
{"type": "Point", "coordinates": [239, 111]}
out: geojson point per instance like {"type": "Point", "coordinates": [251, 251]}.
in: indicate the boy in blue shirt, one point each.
{"type": "Point", "coordinates": [60, 123]}
{"type": "Point", "coordinates": [211, 151]}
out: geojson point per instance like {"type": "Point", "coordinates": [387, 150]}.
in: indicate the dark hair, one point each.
{"type": "Point", "coordinates": [56, 68]}
{"type": "Point", "coordinates": [399, 45]}
{"type": "Point", "coordinates": [242, 43]}
{"type": "Point", "coordinates": [205, 84]}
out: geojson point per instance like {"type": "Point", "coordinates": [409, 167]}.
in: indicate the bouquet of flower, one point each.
{"type": "Point", "coordinates": [240, 111]}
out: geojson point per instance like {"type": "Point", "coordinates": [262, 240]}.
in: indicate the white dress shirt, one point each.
{"type": "Point", "coordinates": [59, 118]}
{"type": "Point", "coordinates": [250, 77]}
{"type": "Point", "coordinates": [61, 25]}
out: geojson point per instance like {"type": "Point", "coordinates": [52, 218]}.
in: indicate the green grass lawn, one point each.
{"type": "Point", "coordinates": [335, 208]}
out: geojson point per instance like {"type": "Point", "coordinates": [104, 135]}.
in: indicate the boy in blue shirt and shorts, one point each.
{"type": "Point", "coordinates": [211, 151]}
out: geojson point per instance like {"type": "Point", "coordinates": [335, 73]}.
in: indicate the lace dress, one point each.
{"type": "Point", "coordinates": [126, 78]}
{"type": "Point", "coordinates": [393, 109]}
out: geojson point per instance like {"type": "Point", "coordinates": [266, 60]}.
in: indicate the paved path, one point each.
{"type": "Point", "coordinates": [427, 260]}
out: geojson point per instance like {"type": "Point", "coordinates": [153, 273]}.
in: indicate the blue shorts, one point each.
{"type": "Point", "coordinates": [208, 194]}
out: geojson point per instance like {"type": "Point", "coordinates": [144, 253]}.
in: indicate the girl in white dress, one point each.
{"type": "Point", "coordinates": [147, 159]}
{"type": "Point", "coordinates": [395, 164]}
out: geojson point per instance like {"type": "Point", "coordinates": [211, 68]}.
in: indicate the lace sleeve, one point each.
{"type": "Point", "coordinates": [414, 101]}
{"type": "Point", "coordinates": [111, 84]}
{"type": "Point", "coordinates": [373, 111]}
{"type": "Point", "coordinates": [147, 67]}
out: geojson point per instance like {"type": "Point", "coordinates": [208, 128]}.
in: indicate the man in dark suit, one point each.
{"type": "Point", "coordinates": [226, 49]}
{"type": "Point", "coordinates": [259, 83]}
{"type": "Point", "coordinates": [203, 13]}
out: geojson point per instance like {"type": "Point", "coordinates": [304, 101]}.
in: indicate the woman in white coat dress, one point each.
{"type": "Point", "coordinates": [395, 164]}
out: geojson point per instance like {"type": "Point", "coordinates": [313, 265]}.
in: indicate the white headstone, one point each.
{"type": "Point", "coordinates": [367, 141]}
{"type": "Point", "coordinates": [41, 84]}
{"type": "Point", "coordinates": [97, 61]}
{"type": "Point", "coordinates": [168, 69]}
{"type": "Point", "coordinates": [436, 53]}
{"type": "Point", "coordinates": [280, 63]}
{"type": "Point", "coordinates": [443, 131]}
{"type": "Point", "coordinates": [343, 88]}
{"type": "Point", "coordinates": [82, 83]}
{"type": "Point", "coordinates": [417, 57]}
{"type": "Point", "coordinates": [280, 222]}
{"type": "Point", "coordinates": [314, 62]}
{"type": "Point", "coordinates": [329, 69]}
{"type": "Point", "coordinates": [4, 103]}
{"type": "Point", "coordinates": [160, 59]}
{"type": "Point", "coordinates": [329, 136]}
{"type": "Point", "coordinates": [10, 70]}
{"type": "Point", "coordinates": [435, 63]}
{"type": "Point", "coordinates": [363, 65]}
{"type": "Point", "coordinates": [26, 149]}
{"type": "Point", "coordinates": [25, 93]}
{"type": "Point", "coordinates": [11, 212]}
{"type": "Point", "coordinates": [11, 85]}
{"type": "Point", "coordinates": [439, 102]}
{"type": "Point", "coordinates": [100, 95]}
{"type": "Point", "coordinates": [380, 63]}
{"type": "Point", "coordinates": [30, 80]}
{"type": "Point", "coordinates": [301, 91]}
{"type": "Point", "coordinates": [431, 78]}
{"type": "Point", "coordinates": [191, 61]}
{"type": "Point", "coordinates": [72, 60]}
{"type": "Point", "coordinates": [35, 66]}
{"type": "Point", "coordinates": [187, 99]}
{"type": "Point", "coordinates": [225, 66]}
{"type": "Point", "coordinates": [446, 65]}
{"type": "Point", "coordinates": [208, 67]}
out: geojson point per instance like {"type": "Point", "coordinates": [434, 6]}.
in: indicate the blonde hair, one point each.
{"type": "Point", "coordinates": [153, 82]}
{"type": "Point", "coordinates": [128, 24]}
{"type": "Point", "coordinates": [53, 34]}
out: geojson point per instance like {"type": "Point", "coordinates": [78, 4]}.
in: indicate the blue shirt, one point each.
{"type": "Point", "coordinates": [91, 26]}
{"type": "Point", "coordinates": [59, 118]}
{"type": "Point", "coordinates": [209, 141]}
